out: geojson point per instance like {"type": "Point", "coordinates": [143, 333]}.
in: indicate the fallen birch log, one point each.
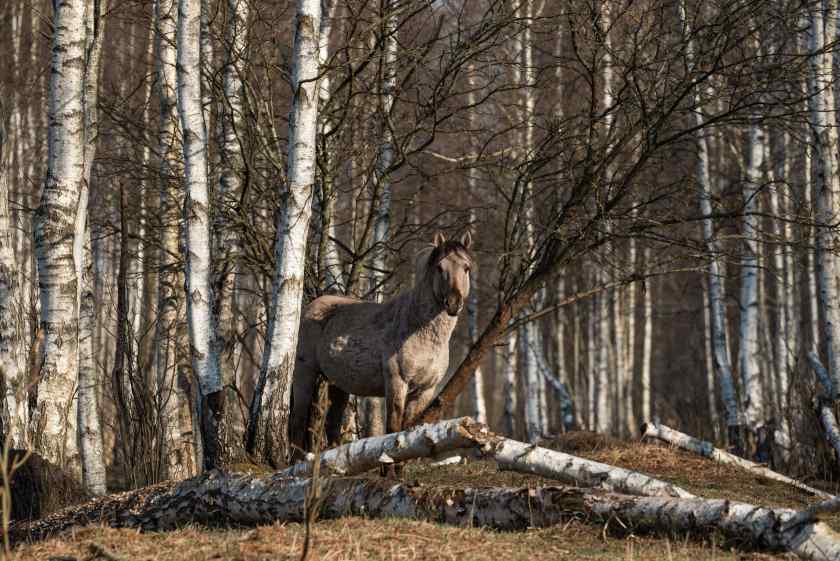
{"type": "Point", "coordinates": [470, 438]}
{"type": "Point", "coordinates": [424, 441]}
{"type": "Point", "coordinates": [236, 499]}
{"type": "Point", "coordinates": [708, 450]}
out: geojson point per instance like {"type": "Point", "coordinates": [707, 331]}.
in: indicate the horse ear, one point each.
{"type": "Point", "coordinates": [466, 240]}
{"type": "Point", "coordinates": [439, 239]}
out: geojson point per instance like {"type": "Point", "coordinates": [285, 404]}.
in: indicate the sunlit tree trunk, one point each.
{"type": "Point", "coordinates": [647, 344]}
{"type": "Point", "coordinates": [170, 304]}
{"type": "Point", "coordinates": [12, 361]}
{"type": "Point", "coordinates": [734, 420]}
{"type": "Point", "coordinates": [200, 320]}
{"type": "Point", "coordinates": [268, 423]}
{"type": "Point", "coordinates": [55, 415]}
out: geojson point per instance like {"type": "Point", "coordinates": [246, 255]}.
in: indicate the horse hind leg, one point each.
{"type": "Point", "coordinates": [335, 414]}
{"type": "Point", "coordinates": [303, 390]}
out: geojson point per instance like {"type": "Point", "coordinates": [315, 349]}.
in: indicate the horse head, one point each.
{"type": "Point", "coordinates": [448, 269]}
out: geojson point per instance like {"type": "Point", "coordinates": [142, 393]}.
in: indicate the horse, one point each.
{"type": "Point", "coordinates": [397, 349]}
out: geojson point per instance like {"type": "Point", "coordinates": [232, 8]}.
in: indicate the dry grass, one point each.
{"type": "Point", "coordinates": [357, 538]}
{"type": "Point", "coordinates": [391, 540]}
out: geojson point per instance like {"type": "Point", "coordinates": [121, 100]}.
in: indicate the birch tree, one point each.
{"type": "Point", "coordinates": [89, 381]}
{"type": "Point", "coordinates": [200, 320]}
{"type": "Point", "coordinates": [822, 31]}
{"type": "Point", "coordinates": [55, 223]}
{"type": "Point", "coordinates": [269, 414]}
{"type": "Point", "coordinates": [748, 353]}
{"type": "Point", "coordinates": [12, 363]}
{"type": "Point", "coordinates": [170, 303]}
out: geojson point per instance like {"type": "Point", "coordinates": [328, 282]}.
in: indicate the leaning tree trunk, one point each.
{"type": "Point", "coordinates": [267, 434]}
{"type": "Point", "coordinates": [200, 320]}
{"type": "Point", "coordinates": [170, 303]}
{"type": "Point", "coordinates": [54, 418]}
{"type": "Point", "coordinates": [717, 325]}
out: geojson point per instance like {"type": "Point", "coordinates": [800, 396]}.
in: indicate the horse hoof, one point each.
{"type": "Point", "coordinates": [391, 471]}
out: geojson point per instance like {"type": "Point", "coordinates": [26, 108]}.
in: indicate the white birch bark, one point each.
{"type": "Point", "coordinates": [716, 290]}
{"type": "Point", "coordinates": [12, 361]}
{"type": "Point", "coordinates": [170, 305]}
{"type": "Point", "coordinates": [510, 415]}
{"type": "Point", "coordinates": [478, 407]}
{"type": "Point", "coordinates": [230, 176]}
{"type": "Point", "coordinates": [711, 396]}
{"type": "Point", "coordinates": [90, 427]}
{"type": "Point", "coordinates": [465, 436]}
{"type": "Point", "coordinates": [200, 320]}
{"type": "Point", "coordinates": [268, 423]}
{"type": "Point", "coordinates": [826, 183]}
{"type": "Point", "coordinates": [708, 450]}
{"type": "Point", "coordinates": [647, 343]}
{"type": "Point", "coordinates": [749, 349]}
{"type": "Point", "coordinates": [55, 224]}
{"type": "Point", "coordinates": [591, 365]}
{"type": "Point", "coordinates": [783, 327]}
{"type": "Point", "coordinates": [89, 382]}
{"type": "Point", "coordinates": [602, 367]}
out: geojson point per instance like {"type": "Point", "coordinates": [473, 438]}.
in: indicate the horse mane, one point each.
{"type": "Point", "coordinates": [430, 255]}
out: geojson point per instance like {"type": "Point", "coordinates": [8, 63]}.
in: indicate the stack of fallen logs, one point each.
{"type": "Point", "coordinates": [599, 491]}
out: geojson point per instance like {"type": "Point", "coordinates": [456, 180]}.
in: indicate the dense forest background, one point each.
{"type": "Point", "coordinates": [651, 187]}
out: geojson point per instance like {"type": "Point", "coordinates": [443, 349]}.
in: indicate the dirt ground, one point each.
{"type": "Point", "coordinates": [357, 538]}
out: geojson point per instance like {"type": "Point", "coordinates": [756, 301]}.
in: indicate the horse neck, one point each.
{"type": "Point", "coordinates": [427, 315]}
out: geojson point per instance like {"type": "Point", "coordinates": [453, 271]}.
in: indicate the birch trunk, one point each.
{"type": "Point", "coordinates": [269, 415]}
{"type": "Point", "coordinates": [170, 304]}
{"type": "Point", "coordinates": [89, 381]}
{"type": "Point", "coordinates": [826, 184]}
{"type": "Point", "coordinates": [734, 420]}
{"type": "Point", "coordinates": [647, 343]}
{"type": "Point", "coordinates": [510, 415]}
{"type": "Point", "coordinates": [749, 349]}
{"type": "Point", "coordinates": [708, 450]}
{"type": "Point", "coordinates": [478, 407]}
{"type": "Point", "coordinates": [12, 361]}
{"type": "Point", "coordinates": [711, 395]}
{"type": "Point", "coordinates": [230, 177]}
{"type": "Point", "coordinates": [227, 240]}
{"type": "Point", "coordinates": [55, 415]}
{"type": "Point", "coordinates": [200, 320]}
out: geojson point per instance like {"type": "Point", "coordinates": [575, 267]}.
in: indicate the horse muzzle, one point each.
{"type": "Point", "coordinates": [454, 305]}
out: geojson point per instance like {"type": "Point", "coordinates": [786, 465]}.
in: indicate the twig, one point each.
{"type": "Point", "coordinates": [99, 552]}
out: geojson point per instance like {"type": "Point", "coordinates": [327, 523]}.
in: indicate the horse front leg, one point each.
{"type": "Point", "coordinates": [416, 404]}
{"type": "Point", "coordinates": [396, 391]}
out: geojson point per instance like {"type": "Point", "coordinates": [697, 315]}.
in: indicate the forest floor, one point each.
{"type": "Point", "coordinates": [401, 540]}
